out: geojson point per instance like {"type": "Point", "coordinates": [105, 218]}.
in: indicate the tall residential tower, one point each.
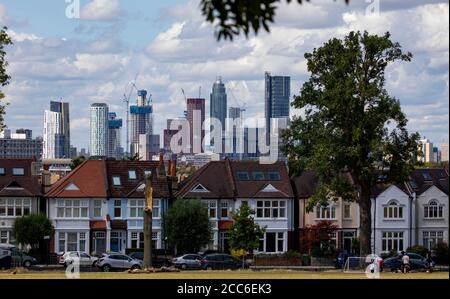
{"type": "Point", "coordinates": [57, 131]}
{"type": "Point", "coordinates": [141, 120]}
{"type": "Point", "coordinates": [99, 130]}
{"type": "Point", "coordinates": [277, 98]}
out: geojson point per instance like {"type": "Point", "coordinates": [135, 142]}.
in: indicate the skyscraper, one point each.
{"type": "Point", "coordinates": [57, 131]}
{"type": "Point", "coordinates": [196, 117]}
{"type": "Point", "coordinates": [444, 151]}
{"type": "Point", "coordinates": [99, 129]}
{"type": "Point", "coordinates": [114, 135]}
{"type": "Point", "coordinates": [277, 98]}
{"type": "Point", "coordinates": [218, 107]}
{"type": "Point", "coordinates": [141, 120]}
{"type": "Point", "coordinates": [426, 146]}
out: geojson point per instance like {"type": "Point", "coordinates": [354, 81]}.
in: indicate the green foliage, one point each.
{"type": "Point", "coordinates": [136, 157]}
{"type": "Point", "coordinates": [352, 129]}
{"type": "Point", "coordinates": [77, 161]}
{"type": "Point", "coordinates": [5, 40]}
{"type": "Point", "coordinates": [186, 226]}
{"type": "Point", "coordinates": [355, 245]}
{"type": "Point", "coordinates": [31, 230]}
{"type": "Point", "coordinates": [442, 164]}
{"type": "Point", "coordinates": [317, 239]}
{"type": "Point", "coordinates": [244, 233]}
{"type": "Point", "coordinates": [441, 253]}
{"type": "Point", "coordinates": [234, 16]}
{"type": "Point", "coordinates": [419, 249]}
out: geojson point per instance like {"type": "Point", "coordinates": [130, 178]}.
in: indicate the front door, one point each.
{"type": "Point", "coordinates": [224, 246]}
{"type": "Point", "coordinates": [118, 241]}
{"type": "Point", "coordinates": [270, 242]}
{"type": "Point", "coordinates": [348, 239]}
{"type": "Point", "coordinates": [99, 242]}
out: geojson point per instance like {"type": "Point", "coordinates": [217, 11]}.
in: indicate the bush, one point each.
{"type": "Point", "coordinates": [419, 249]}
{"type": "Point", "coordinates": [441, 253]}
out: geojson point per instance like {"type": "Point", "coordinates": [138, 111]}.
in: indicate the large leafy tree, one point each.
{"type": "Point", "coordinates": [5, 40]}
{"type": "Point", "coordinates": [232, 17]}
{"type": "Point", "coordinates": [244, 233]}
{"type": "Point", "coordinates": [186, 226]}
{"type": "Point", "coordinates": [352, 133]}
{"type": "Point", "coordinates": [31, 229]}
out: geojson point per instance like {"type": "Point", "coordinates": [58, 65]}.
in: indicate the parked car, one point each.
{"type": "Point", "coordinates": [111, 261]}
{"type": "Point", "coordinates": [18, 257]}
{"type": "Point", "coordinates": [417, 262]}
{"type": "Point", "coordinates": [341, 258]}
{"type": "Point", "coordinates": [83, 258]}
{"type": "Point", "coordinates": [157, 262]}
{"type": "Point", "coordinates": [188, 261]}
{"type": "Point", "coordinates": [221, 261]}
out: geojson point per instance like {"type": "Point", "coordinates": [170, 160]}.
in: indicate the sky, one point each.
{"type": "Point", "coordinates": [94, 57]}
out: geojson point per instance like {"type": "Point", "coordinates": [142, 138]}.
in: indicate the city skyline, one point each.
{"type": "Point", "coordinates": [94, 58]}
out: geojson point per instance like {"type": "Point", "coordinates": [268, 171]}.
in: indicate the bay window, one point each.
{"type": "Point", "coordinates": [72, 208]}
{"type": "Point", "coordinates": [270, 209]}
{"type": "Point", "coordinates": [136, 208]}
{"type": "Point", "coordinates": [328, 212]}
{"type": "Point", "coordinates": [392, 241]}
{"type": "Point", "coordinates": [393, 211]}
{"type": "Point", "coordinates": [433, 210]}
{"type": "Point", "coordinates": [15, 207]}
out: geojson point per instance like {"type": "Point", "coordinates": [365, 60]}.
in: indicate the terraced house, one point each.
{"type": "Point", "coordinates": [20, 194]}
{"type": "Point", "coordinates": [225, 185]}
{"type": "Point", "coordinates": [99, 206]}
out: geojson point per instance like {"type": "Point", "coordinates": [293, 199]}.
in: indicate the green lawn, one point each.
{"type": "Point", "coordinates": [278, 274]}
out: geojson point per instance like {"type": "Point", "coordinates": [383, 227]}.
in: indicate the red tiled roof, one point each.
{"type": "Point", "coordinates": [89, 177]}
{"type": "Point", "coordinates": [97, 224]}
{"type": "Point", "coordinates": [26, 185]}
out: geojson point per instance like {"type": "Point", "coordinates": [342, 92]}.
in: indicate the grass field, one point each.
{"type": "Point", "coordinates": [224, 275]}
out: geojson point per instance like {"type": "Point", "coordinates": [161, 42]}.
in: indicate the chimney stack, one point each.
{"type": "Point", "coordinates": [169, 168]}
{"type": "Point", "coordinates": [174, 168]}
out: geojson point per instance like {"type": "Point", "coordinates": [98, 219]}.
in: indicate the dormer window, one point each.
{"type": "Point", "coordinates": [274, 176]}
{"type": "Point", "coordinates": [116, 180]}
{"type": "Point", "coordinates": [2, 171]}
{"type": "Point", "coordinates": [132, 174]}
{"type": "Point", "coordinates": [147, 173]}
{"type": "Point", "coordinates": [19, 171]}
{"type": "Point", "coordinates": [243, 176]}
{"type": "Point", "coordinates": [427, 176]}
{"type": "Point", "coordinates": [258, 176]}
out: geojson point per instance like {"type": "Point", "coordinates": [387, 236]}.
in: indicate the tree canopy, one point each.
{"type": "Point", "coordinates": [5, 40]}
{"type": "Point", "coordinates": [31, 229]}
{"type": "Point", "coordinates": [232, 17]}
{"type": "Point", "coordinates": [244, 233]}
{"type": "Point", "coordinates": [353, 133]}
{"type": "Point", "coordinates": [186, 226]}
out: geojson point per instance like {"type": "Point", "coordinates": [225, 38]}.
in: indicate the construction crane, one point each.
{"type": "Point", "coordinates": [240, 104]}
{"type": "Point", "coordinates": [126, 99]}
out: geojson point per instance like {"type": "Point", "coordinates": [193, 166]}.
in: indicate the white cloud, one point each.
{"type": "Point", "coordinates": [101, 10]}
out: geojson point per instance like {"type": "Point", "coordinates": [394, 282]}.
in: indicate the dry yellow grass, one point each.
{"type": "Point", "coordinates": [278, 274]}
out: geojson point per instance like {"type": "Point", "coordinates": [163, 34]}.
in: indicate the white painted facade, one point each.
{"type": "Point", "coordinates": [432, 216]}
{"type": "Point", "coordinates": [393, 221]}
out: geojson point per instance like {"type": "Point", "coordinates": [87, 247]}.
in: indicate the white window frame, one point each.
{"type": "Point", "coordinates": [271, 209]}
{"type": "Point", "coordinates": [277, 239]}
{"type": "Point", "coordinates": [63, 239]}
{"type": "Point", "coordinates": [326, 213]}
{"type": "Point", "coordinates": [345, 207]}
{"type": "Point", "coordinates": [224, 206]}
{"type": "Point", "coordinates": [97, 208]}
{"type": "Point", "coordinates": [212, 206]}
{"type": "Point", "coordinates": [138, 206]}
{"type": "Point", "coordinates": [132, 175]}
{"type": "Point", "coordinates": [394, 237]}
{"type": "Point", "coordinates": [5, 237]}
{"type": "Point", "coordinates": [116, 181]}
{"type": "Point", "coordinates": [156, 209]}
{"type": "Point", "coordinates": [16, 204]}
{"type": "Point", "coordinates": [66, 205]}
{"type": "Point", "coordinates": [431, 208]}
{"type": "Point", "coordinates": [392, 211]}
{"type": "Point", "coordinates": [437, 236]}
{"type": "Point", "coordinates": [117, 207]}
{"type": "Point", "coordinates": [20, 169]}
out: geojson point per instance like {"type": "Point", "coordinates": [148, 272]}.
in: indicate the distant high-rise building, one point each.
{"type": "Point", "coordinates": [277, 98]}
{"type": "Point", "coordinates": [234, 112]}
{"type": "Point", "coordinates": [141, 120]}
{"type": "Point", "coordinates": [444, 151]}
{"type": "Point", "coordinates": [196, 117]}
{"type": "Point", "coordinates": [99, 130]}
{"type": "Point", "coordinates": [149, 145]}
{"type": "Point", "coordinates": [436, 155]}
{"type": "Point", "coordinates": [20, 145]}
{"type": "Point", "coordinates": [218, 104]}
{"type": "Point", "coordinates": [83, 152]}
{"type": "Point", "coordinates": [426, 146]}
{"type": "Point", "coordinates": [73, 152]}
{"type": "Point", "coordinates": [57, 131]}
{"type": "Point", "coordinates": [114, 136]}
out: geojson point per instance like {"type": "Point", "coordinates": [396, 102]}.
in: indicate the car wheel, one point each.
{"type": "Point", "coordinates": [27, 264]}
{"type": "Point", "coordinates": [106, 268]}
{"type": "Point", "coordinates": [135, 267]}
{"type": "Point", "coordinates": [94, 264]}
{"type": "Point", "coordinates": [209, 268]}
{"type": "Point", "coordinates": [183, 266]}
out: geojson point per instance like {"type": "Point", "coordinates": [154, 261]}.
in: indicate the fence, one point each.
{"type": "Point", "coordinates": [274, 260]}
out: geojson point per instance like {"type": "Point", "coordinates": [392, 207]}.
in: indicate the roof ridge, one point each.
{"type": "Point", "coordinates": [194, 176]}
{"type": "Point", "coordinates": [66, 178]}
{"type": "Point", "coordinates": [231, 176]}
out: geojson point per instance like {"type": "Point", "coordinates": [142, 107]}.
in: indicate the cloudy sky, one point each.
{"type": "Point", "coordinates": [93, 58]}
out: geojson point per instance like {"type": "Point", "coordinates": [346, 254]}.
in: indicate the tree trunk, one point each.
{"type": "Point", "coordinates": [365, 218]}
{"type": "Point", "coordinates": [147, 238]}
